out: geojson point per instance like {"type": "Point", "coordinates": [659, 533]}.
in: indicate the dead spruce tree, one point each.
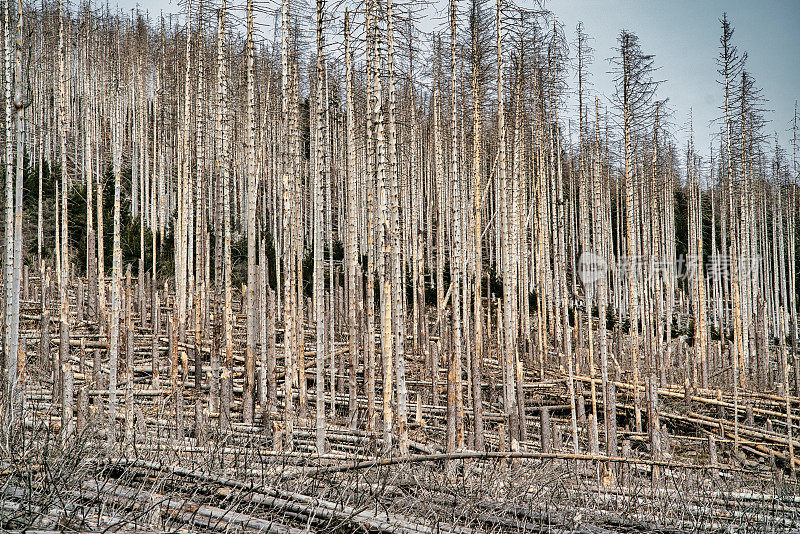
{"type": "Point", "coordinates": [390, 243]}
{"type": "Point", "coordinates": [634, 95]}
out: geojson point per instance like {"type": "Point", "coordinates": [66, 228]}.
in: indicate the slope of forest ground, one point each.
{"type": "Point", "coordinates": [170, 470]}
{"type": "Point", "coordinates": [268, 287]}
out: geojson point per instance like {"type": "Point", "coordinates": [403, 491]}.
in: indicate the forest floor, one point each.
{"type": "Point", "coordinates": [151, 479]}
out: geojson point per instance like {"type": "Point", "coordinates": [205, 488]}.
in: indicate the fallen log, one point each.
{"type": "Point", "coordinates": [380, 521]}
{"type": "Point", "coordinates": [498, 455]}
{"type": "Point", "coordinates": [203, 515]}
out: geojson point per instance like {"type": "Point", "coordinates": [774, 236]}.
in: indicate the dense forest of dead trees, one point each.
{"type": "Point", "coordinates": [357, 247]}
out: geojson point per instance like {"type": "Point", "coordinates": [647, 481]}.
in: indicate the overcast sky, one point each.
{"type": "Point", "coordinates": [683, 35]}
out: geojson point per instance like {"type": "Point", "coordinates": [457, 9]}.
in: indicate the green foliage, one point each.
{"type": "Point", "coordinates": [239, 261]}
{"type": "Point", "coordinates": [308, 266]}
{"type": "Point", "coordinates": [716, 335]}
{"type": "Point", "coordinates": [533, 301]}
{"type": "Point", "coordinates": [30, 210]}
{"type": "Point", "coordinates": [494, 283]}
{"type": "Point", "coordinates": [611, 320]}
{"type": "Point", "coordinates": [272, 275]}
{"type": "Point", "coordinates": [681, 224]}
{"type": "Point", "coordinates": [625, 325]}
{"type": "Point", "coordinates": [77, 222]}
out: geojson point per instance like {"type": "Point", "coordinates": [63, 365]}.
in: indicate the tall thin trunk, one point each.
{"type": "Point", "coordinates": [63, 353]}
{"type": "Point", "coordinates": [477, 194]}
{"type": "Point", "coordinates": [10, 351]}
{"type": "Point", "coordinates": [398, 309]}
{"type": "Point", "coordinates": [455, 396]}
{"type": "Point", "coordinates": [252, 189]}
{"type": "Point", "coordinates": [371, 166]}
{"type": "Point", "coordinates": [319, 276]}
{"type": "Point", "coordinates": [226, 377]}
{"type": "Point", "coordinates": [117, 132]}
{"type": "Point", "coordinates": [352, 227]}
{"type": "Point", "coordinates": [288, 210]}
{"type": "Point", "coordinates": [508, 357]}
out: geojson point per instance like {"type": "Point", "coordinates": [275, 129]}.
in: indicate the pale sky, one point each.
{"type": "Point", "coordinates": [683, 35]}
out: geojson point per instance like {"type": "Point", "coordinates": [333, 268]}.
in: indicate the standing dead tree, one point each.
{"type": "Point", "coordinates": [423, 218]}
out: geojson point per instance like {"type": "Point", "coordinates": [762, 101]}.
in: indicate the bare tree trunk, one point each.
{"type": "Point", "coordinates": [384, 272]}
{"type": "Point", "coordinates": [455, 394]}
{"type": "Point", "coordinates": [398, 309]}
{"type": "Point", "coordinates": [10, 336]}
{"type": "Point", "coordinates": [352, 228]}
{"type": "Point", "coordinates": [371, 164]}
{"type": "Point", "coordinates": [477, 353]}
{"type": "Point", "coordinates": [288, 209]}
{"type": "Point", "coordinates": [63, 352]}
{"type": "Point", "coordinates": [117, 132]}
{"type": "Point", "coordinates": [319, 276]}
{"type": "Point", "coordinates": [508, 351]}
{"type": "Point", "coordinates": [128, 376]}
